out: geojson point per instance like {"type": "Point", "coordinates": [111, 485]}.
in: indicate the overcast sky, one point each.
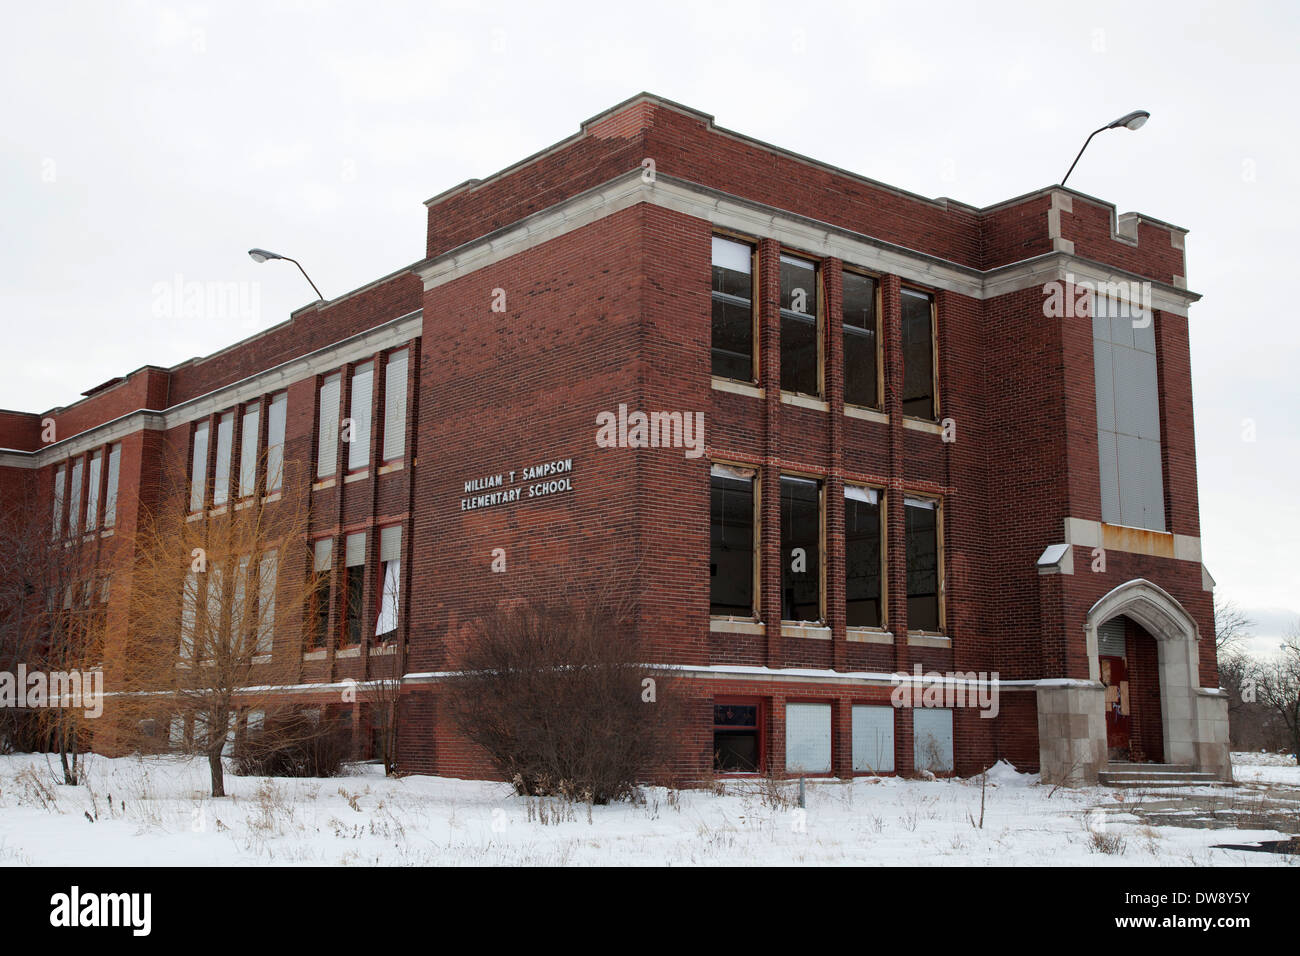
{"type": "Point", "coordinates": [148, 145]}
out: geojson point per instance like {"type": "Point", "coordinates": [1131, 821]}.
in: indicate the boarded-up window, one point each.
{"type": "Point", "coordinates": [199, 468]}
{"type": "Point", "coordinates": [918, 354]}
{"type": "Point", "coordinates": [1128, 415]}
{"type": "Point", "coordinates": [731, 541]}
{"type": "Point", "coordinates": [808, 738]}
{"type": "Point", "coordinates": [92, 489]}
{"type": "Point", "coordinates": [74, 496]}
{"type": "Point", "coordinates": [860, 354]}
{"type": "Point", "coordinates": [60, 483]}
{"type": "Point", "coordinates": [363, 381]}
{"type": "Point", "coordinates": [327, 440]}
{"type": "Point", "coordinates": [275, 416]}
{"type": "Point", "coordinates": [733, 309]}
{"type": "Point", "coordinates": [800, 294]}
{"type": "Point", "coordinates": [922, 530]}
{"type": "Point", "coordinates": [110, 493]}
{"type": "Point", "coordinates": [225, 445]}
{"type": "Point", "coordinates": [862, 553]}
{"type": "Point", "coordinates": [932, 739]}
{"type": "Point", "coordinates": [800, 549]}
{"type": "Point", "coordinates": [248, 450]}
{"type": "Point", "coordinates": [395, 406]}
{"type": "Point", "coordinates": [1110, 638]}
{"type": "Point", "coordinates": [873, 739]}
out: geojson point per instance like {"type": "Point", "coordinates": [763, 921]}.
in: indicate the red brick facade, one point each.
{"type": "Point", "coordinates": [578, 281]}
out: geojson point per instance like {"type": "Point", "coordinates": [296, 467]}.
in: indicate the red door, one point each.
{"type": "Point", "coordinates": [1114, 674]}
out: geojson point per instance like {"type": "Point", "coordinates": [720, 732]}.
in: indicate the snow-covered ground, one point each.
{"type": "Point", "coordinates": [1265, 768]}
{"type": "Point", "coordinates": [155, 810]}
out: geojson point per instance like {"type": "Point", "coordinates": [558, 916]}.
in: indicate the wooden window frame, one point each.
{"type": "Point", "coordinates": [941, 581]}
{"type": "Point", "coordinates": [755, 325]}
{"type": "Point", "coordinates": [822, 484]}
{"type": "Point", "coordinates": [880, 338]}
{"type": "Point", "coordinates": [934, 349]}
{"type": "Point", "coordinates": [882, 515]}
{"type": "Point", "coordinates": [819, 271]}
{"type": "Point", "coordinates": [757, 562]}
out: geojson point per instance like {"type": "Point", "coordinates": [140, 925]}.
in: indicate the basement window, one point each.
{"type": "Point", "coordinates": [873, 738]}
{"type": "Point", "coordinates": [800, 300]}
{"type": "Point", "coordinates": [808, 738]}
{"type": "Point", "coordinates": [801, 527]}
{"type": "Point", "coordinates": [932, 739]}
{"type": "Point", "coordinates": [921, 516]}
{"type": "Point", "coordinates": [731, 541]}
{"type": "Point", "coordinates": [737, 737]}
{"type": "Point", "coordinates": [861, 338]}
{"type": "Point", "coordinates": [733, 309]}
{"type": "Point", "coordinates": [862, 557]}
{"type": "Point", "coordinates": [918, 355]}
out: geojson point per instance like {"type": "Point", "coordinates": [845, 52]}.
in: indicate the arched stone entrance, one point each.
{"type": "Point", "coordinates": [1194, 720]}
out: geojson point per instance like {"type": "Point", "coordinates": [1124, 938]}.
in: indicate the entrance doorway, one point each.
{"type": "Point", "coordinates": [1113, 659]}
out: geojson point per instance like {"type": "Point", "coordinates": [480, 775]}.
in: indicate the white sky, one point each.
{"type": "Point", "coordinates": [146, 142]}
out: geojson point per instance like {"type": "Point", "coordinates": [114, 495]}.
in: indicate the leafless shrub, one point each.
{"type": "Point", "coordinates": [562, 701]}
{"type": "Point", "coordinates": [294, 744]}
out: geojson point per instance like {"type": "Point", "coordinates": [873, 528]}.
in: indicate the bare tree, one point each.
{"type": "Point", "coordinates": [562, 701]}
{"type": "Point", "coordinates": [1278, 686]}
{"type": "Point", "coordinates": [1231, 625]}
{"type": "Point", "coordinates": [207, 592]}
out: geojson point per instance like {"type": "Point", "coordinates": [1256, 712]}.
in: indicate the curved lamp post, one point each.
{"type": "Point", "coordinates": [261, 255]}
{"type": "Point", "coordinates": [1134, 120]}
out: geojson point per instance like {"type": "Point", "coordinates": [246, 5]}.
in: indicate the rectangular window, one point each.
{"type": "Point", "coordinates": [214, 628]}
{"type": "Point", "coordinates": [243, 611]}
{"type": "Point", "coordinates": [248, 450]}
{"type": "Point", "coordinates": [363, 381]}
{"type": "Point", "coordinates": [873, 739]}
{"type": "Point", "coordinates": [923, 573]}
{"type": "Point", "coordinates": [731, 541]}
{"type": "Point", "coordinates": [267, 573]}
{"type": "Point", "coordinates": [932, 739]}
{"type": "Point", "coordinates": [801, 525]}
{"type": "Point", "coordinates": [60, 485]}
{"type": "Point", "coordinates": [110, 492]}
{"type": "Point", "coordinates": [92, 489]}
{"type": "Point", "coordinates": [225, 445]}
{"type": "Point", "coordinates": [395, 406]}
{"type": "Point", "coordinates": [861, 336]}
{"type": "Point", "coordinates": [1128, 415]}
{"type": "Point", "coordinates": [863, 567]}
{"type": "Point", "coordinates": [808, 738]}
{"type": "Point", "coordinates": [189, 614]}
{"type": "Point", "coordinates": [74, 496]}
{"type": "Point", "coordinates": [275, 416]}
{"type": "Point", "coordinates": [737, 737]}
{"type": "Point", "coordinates": [354, 587]}
{"type": "Point", "coordinates": [322, 594]}
{"type": "Point", "coordinates": [327, 437]}
{"type": "Point", "coordinates": [733, 309]}
{"type": "Point", "coordinates": [918, 354]}
{"type": "Point", "coordinates": [199, 468]}
{"type": "Point", "coordinates": [390, 582]}
{"type": "Point", "coordinates": [800, 301]}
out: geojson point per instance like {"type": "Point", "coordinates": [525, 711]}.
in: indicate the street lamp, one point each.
{"type": "Point", "coordinates": [261, 255]}
{"type": "Point", "coordinates": [1134, 120]}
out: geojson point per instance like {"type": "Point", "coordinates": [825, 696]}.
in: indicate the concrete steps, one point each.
{"type": "Point", "coordinates": [1150, 775]}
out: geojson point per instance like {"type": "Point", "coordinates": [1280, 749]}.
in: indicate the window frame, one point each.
{"type": "Point", "coordinates": [879, 332]}
{"type": "Point", "coordinates": [364, 370]}
{"type": "Point", "coordinates": [940, 576]}
{"type": "Point", "coordinates": [819, 283]}
{"type": "Point", "coordinates": [756, 581]}
{"type": "Point", "coordinates": [834, 736]}
{"type": "Point", "coordinates": [381, 572]}
{"type": "Point", "coordinates": [345, 592]}
{"type": "Point", "coordinates": [934, 350]}
{"type": "Point", "coordinates": [822, 484]}
{"type": "Point", "coordinates": [882, 516]}
{"type": "Point", "coordinates": [404, 353]}
{"type": "Point", "coordinates": [755, 326]}
{"type": "Point", "coordinates": [760, 731]}
{"type": "Point", "coordinates": [199, 472]}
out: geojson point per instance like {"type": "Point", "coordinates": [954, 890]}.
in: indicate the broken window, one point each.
{"type": "Point", "coordinates": [1128, 415]}
{"type": "Point", "coordinates": [731, 541]}
{"type": "Point", "coordinates": [322, 594]}
{"type": "Point", "coordinates": [922, 530]}
{"type": "Point", "coordinates": [799, 311]}
{"type": "Point", "coordinates": [733, 309]}
{"type": "Point", "coordinates": [801, 549]}
{"type": "Point", "coordinates": [862, 564]}
{"type": "Point", "coordinates": [737, 737]}
{"type": "Point", "coordinates": [354, 587]}
{"type": "Point", "coordinates": [390, 582]}
{"type": "Point", "coordinates": [918, 354]}
{"type": "Point", "coordinates": [861, 363]}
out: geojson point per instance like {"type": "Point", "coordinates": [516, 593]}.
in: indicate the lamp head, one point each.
{"type": "Point", "coordinates": [1135, 120]}
{"type": "Point", "coordinates": [261, 255]}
